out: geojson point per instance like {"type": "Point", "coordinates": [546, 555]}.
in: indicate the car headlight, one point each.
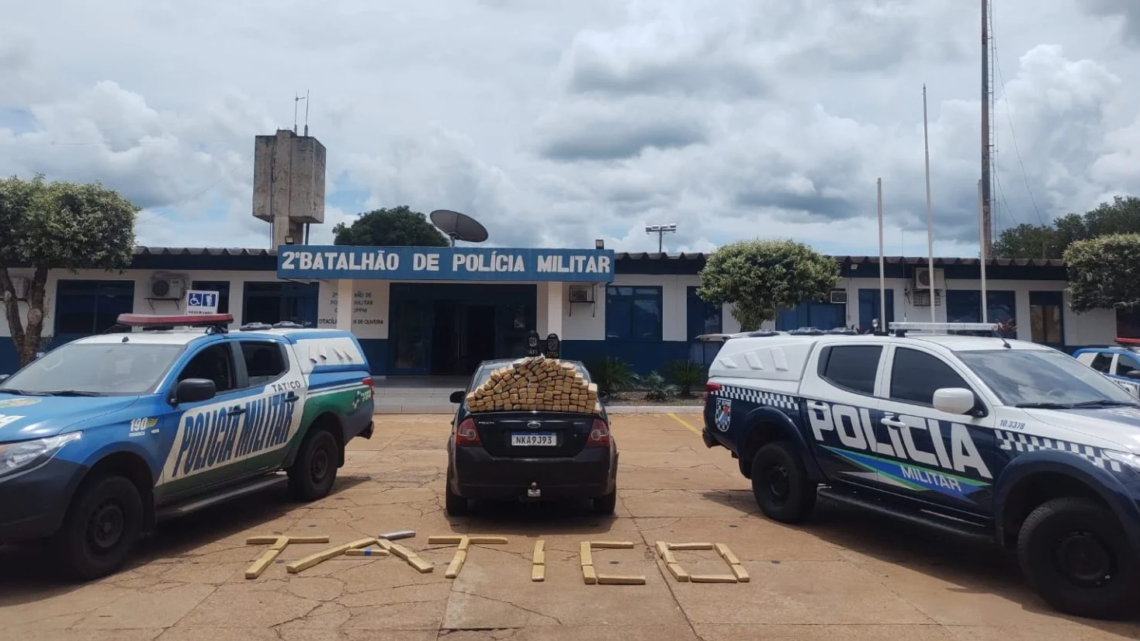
{"type": "Point", "coordinates": [19, 456]}
{"type": "Point", "coordinates": [1131, 460]}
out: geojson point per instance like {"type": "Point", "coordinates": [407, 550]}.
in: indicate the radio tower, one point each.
{"type": "Point", "coordinates": [987, 133]}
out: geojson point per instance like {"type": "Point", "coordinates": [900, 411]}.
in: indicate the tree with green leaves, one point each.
{"type": "Point", "coordinates": [56, 225]}
{"type": "Point", "coordinates": [1104, 273]}
{"type": "Point", "coordinates": [1121, 216]}
{"type": "Point", "coordinates": [761, 277]}
{"type": "Point", "coordinates": [398, 226]}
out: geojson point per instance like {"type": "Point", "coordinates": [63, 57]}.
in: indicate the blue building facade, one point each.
{"type": "Point", "coordinates": [644, 310]}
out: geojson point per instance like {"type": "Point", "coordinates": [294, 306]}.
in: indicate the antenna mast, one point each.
{"type": "Point", "coordinates": [306, 112]}
{"type": "Point", "coordinates": [987, 139]}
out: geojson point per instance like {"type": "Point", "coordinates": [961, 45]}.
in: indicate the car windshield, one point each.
{"type": "Point", "coordinates": [1041, 378]}
{"type": "Point", "coordinates": [94, 369]}
{"type": "Point", "coordinates": [483, 373]}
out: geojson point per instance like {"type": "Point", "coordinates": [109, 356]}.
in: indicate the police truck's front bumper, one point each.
{"type": "Point", "coordinates": [33, 503]}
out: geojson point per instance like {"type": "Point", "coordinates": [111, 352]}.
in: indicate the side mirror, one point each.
{"type": "Point", "coordinates": [1134, 374]}
{"type": "Point", "coordinates": [194, 390]}
{"type": "Point", "coordinates": [603, 397]}
{"type": "Point", "coordinates": [954, 400]}
{"type": "Point", "coordinates": [457, 397]}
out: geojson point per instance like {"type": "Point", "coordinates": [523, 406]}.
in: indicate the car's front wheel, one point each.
{"type": "Point", "coordinates": [1075, 553]}
{"type": "Point", "coordinates": [781, 484]}
{"type": "Point", "coordinates": [101, 528]}
{"type": "Point", "coordinates": [313, 473]}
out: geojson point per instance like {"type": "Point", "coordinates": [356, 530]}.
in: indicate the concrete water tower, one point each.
{"type": "Point", "coordinates": [289, 184]}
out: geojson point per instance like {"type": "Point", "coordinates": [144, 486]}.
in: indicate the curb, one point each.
{"type": "Point", "coordinates": [655, 409]}
{"type": "Point", "coordinates": [448, 410]}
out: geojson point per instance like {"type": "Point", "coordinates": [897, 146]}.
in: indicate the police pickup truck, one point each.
{"type": "Point", "coordinates": [1120, 363]}
{"type": "Point", "coordinates": [985, 436]}
{"type": "Point", "coordinates": [105, 436]}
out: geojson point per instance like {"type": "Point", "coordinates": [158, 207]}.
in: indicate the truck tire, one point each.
{"type": "Point", "coordinates": [313, 472]}
{"type": "Point", "coordinates": [781, 485]}
{"type": "Point", "coordinates": [1076, 555]}
{"type": "Point", "coordinates": [102, 526]}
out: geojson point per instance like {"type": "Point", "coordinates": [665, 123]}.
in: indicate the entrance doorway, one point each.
{"type": "Point", "coordinates": [446, 330]}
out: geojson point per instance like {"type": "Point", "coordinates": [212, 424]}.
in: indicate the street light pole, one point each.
{"type": "Point", "coordinates": [661, 230]}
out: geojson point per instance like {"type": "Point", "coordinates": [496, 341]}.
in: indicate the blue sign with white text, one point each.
{"type": "Point", "coordinates": [445, 263]}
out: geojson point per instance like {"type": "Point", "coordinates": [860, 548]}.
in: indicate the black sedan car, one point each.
{"type": "Point", "coordinates": [529, 455]}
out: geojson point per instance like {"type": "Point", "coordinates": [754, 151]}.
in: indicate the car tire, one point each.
{"type": "Point", "coordinates": [1076, 555]}
{"type": "Point", "coordinates": [605, 505]}
{"type": "Point", "coordinates": [781, 484]}
{"type": "Point", "coordinates": [313, 473]}
{"type": "Point", "coordinates": [102, 526]}
{"type": "Point", "coordinates": [454, 504]}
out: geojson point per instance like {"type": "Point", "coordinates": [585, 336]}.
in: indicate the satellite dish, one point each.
{"type": "Point", "coordinates": [459, 226]}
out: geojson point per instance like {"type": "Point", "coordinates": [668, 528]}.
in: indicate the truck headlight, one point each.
{"type": "Point", "coordinates": [1131, 460]}
{"type": "Point", "coordinates": [28, 454]}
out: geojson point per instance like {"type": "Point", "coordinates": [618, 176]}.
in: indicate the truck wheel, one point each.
{"type": "Point", "coordinates": [1076, 555]}
{"type": "Point", "coordinates": [101, 528]}
{"type": "Point", "coordinates": [314, 471]}
{"type": "Point", "coordinates": [781, 484]}
{"type": "Point", "coordinates": [605, 505]}
{"type": "Point", "coordinates": [454, 504]}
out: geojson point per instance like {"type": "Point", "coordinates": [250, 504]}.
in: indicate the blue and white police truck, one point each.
{"type": "Point", "coordinates": [105, 436]}
{"type": "Point", "coordinates": [1121, 362]}
{"type": "Point", "coordinates": [982, 436]}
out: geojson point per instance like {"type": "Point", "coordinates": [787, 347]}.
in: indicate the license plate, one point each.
{"type": "Point", "coordinates": [533, 439]}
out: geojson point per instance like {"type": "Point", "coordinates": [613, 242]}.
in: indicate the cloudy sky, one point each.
{"type": "Point", "coordinates": [558, 122]}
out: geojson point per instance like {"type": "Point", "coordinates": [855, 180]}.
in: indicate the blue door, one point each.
{"type": "Point", "coordinates": [869, 308]}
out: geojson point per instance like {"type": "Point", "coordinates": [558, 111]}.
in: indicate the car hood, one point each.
{"type": "Point", "coordinates": [1116, 426]}
{"type": "Point", "coordinates": [29, 417]}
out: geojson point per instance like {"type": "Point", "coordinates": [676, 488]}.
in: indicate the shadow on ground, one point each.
{"type": "Point", "coordinates": [30, 572]}
{"type": "Point", "coordinates": [972, 567]}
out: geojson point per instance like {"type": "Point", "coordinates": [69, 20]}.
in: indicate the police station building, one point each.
{"type": "Point", "coordinates": [439, 311]}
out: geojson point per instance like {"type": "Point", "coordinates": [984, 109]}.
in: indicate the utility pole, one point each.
{"type": "Point", "coordinates": [987, 199]}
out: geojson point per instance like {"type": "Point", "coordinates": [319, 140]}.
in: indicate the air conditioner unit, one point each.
{"type": "Point", "coordinates": [838, 297]}
{"type": "Point", "coordinates": [21, 285]}
{"type": "Point", "coordinates": [167, 287]}
{"type": "Point", "coordinates": [922, 279]}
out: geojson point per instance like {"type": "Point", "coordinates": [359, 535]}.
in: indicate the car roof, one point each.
{"type": "Point", "coordinates": [184, 336]}
{"type": "Point", "coordinates": [957, 343]}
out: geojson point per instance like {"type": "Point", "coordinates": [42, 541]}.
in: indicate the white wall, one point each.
{"type": "Point", "coordinates": [369, 308]}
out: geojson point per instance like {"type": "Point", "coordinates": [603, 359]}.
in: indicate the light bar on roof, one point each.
{"type": "Point", "coordinates": [175, 320]}
{"type": "Point", "coordinates": [945, 327]}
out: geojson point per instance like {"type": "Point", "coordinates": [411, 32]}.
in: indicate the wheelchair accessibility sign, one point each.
{"type": "Point", "coordinates": [201, 302]}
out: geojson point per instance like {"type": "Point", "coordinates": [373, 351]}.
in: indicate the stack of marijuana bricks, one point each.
{"type": "Point", "coordinates": [536, 383]}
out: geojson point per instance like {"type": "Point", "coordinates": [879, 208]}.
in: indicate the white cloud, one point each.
{"type": "Point", "coordinates": [558, 123]}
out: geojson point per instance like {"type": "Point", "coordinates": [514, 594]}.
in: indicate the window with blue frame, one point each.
{"type": "Point", "coordinates": [702, 317]}
{"type": "Point", "coordinates": [85, 307]}
{"type": "Point", "coordinates": [869, 300]}
{"type": "Point", "coordinates": [815, 314]}
{"type": "Point", "coordinates": [220, 286]}
{"type": "Point", "coordinates": [633, 314]}
{"type": "Point", "coordinates": [276, 302]}
{"type": "Point", "coordinates": [965, 306]}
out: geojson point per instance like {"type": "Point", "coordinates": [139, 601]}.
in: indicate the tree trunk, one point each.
{"type": "Point", "coordinates": [26, 338]}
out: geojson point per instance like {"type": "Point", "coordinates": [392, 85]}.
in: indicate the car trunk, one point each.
{"type": "Point", "coordinates": [533, 435]}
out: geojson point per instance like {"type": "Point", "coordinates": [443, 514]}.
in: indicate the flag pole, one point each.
{"type": "Point", "coordinates": [982, 228]}
{"type": "Point", "coordinates": [882, 269]}
{"type": "Point", "coordinates": [929, 210]}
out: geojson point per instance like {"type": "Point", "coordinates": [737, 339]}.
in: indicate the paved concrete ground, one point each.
{"type": "Point", "coordinates": [847, 576]}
